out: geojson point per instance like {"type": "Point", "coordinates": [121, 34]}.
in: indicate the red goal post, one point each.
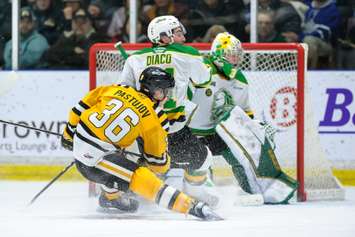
{"type": "Point", "coordinates": [278, 71]}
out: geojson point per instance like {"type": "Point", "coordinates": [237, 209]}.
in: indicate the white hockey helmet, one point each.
{"type": "Point", "coordinates": [163, 25]}
{"type": "Point", "coordinates": [227, 47]}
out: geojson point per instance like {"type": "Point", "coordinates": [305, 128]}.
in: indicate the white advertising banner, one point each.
{"type": "Point", "coordinates": [333, 95]}
{"type": "Point", "coordinates": [39, 99]}
{"type": "Point", "coordinates": [42, 99]}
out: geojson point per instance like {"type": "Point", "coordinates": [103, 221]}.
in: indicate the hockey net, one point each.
{"type": "Point", "coordinates": [278, 94]}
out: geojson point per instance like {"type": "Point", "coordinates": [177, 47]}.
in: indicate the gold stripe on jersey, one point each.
{"type": "Point", "coordinates": [115, 170]}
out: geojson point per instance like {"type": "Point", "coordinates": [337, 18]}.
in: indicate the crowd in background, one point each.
{"type": "Point", "coordinates": [57, 34]}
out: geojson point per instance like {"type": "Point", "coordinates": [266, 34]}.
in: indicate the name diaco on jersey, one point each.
{"type": "Point", "coordinates": [155, 59]}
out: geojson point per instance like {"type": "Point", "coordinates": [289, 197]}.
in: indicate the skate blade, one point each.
{"type": "Point", "coordinates": [107, 210]}
{"type": "Point", "coordinates": [214, 217]}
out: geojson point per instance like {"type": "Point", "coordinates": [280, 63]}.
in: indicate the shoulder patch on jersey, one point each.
{"type": "Point", "coordinates": [208, 92]}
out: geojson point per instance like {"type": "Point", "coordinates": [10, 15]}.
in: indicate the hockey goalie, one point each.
{"type": "Point", "coordinates": [225, 123]}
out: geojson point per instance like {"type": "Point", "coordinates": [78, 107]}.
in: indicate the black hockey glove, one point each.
{"type": "Point", "coordinates": [67, 144]}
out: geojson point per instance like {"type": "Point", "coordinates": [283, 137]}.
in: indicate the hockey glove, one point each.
{"type": "Point", "coordinates": [224, 66]}
{"type": "Point", "coordinates": [67, 144]}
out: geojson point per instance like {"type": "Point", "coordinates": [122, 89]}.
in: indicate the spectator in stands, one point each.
{"type": "Point", "coordinates": [345, 51]}
{"type": "Point", "coordinates": [119, 18]}
{"type": "Point", "coordinates": [28, 3]}
{"type": "Point", "coordinates": [32, 44]}
{"type": "Point", "coordinates": [321, 22]}
{"type": "Point", "coordinates": [5, 27]}
{"type": "Point", "coordinates": [97, 11]}
{"type": "Point", "coordinates": [287, 17]}
{"type": "Point", "coordinates": [165, 7]}
{"type": "Point", "coordinates": [346, 48]}
{"type": "Point", "coordinates": [266, 28]}
{"type": "Point", "coordinates": [215, 12]}
{"type": "Point", "coordinates": [141, 33]}
{"type": "Point", "coordinates": [49, 19]}
{"type": "Point", "coordinates": [212, 32]}
{"type": "Point", "coordinates": [69, 9]}
{"type": "Point", "coordinates": [71, 51]}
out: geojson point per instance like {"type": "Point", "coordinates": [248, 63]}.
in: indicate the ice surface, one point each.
{"type": "Point", "coordinates": [64, 210]}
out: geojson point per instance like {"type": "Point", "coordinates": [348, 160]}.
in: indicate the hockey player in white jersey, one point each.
{"type": "Point", "coordinates": [226, 99]}
{"type": "Point", "coordinates": [186, 64]}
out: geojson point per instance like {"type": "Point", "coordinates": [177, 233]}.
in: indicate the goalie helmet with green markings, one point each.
{"type": "Point", "coordinates": [227, 47]}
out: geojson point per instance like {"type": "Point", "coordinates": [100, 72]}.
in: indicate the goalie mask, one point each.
{"type": "Point", "coordinates": [155, 83]}
{"type": "Point", "coordinates": [227, 47]}
{"type": "Point", "coordinates": [163, 26]}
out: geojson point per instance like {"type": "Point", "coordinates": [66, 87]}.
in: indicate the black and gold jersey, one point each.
{"type": "Point", "coordinates": [118, 115]}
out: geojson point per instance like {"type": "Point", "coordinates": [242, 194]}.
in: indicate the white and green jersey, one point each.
{"type": "Point", "coordinates": [222, 94]}
{"type": "Point", "coordinates": [186, 65]}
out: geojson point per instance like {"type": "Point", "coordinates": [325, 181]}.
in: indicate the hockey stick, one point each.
{"type": "Point", "coordinates": [28, 127]}
{"type": "Point", "coordinates": [122, 51]}
{"type": "Point", "coordinates": [51, 182]}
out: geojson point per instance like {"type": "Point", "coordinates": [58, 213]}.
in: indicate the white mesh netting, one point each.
{"type": "Point", "coordinates": [272, 77]}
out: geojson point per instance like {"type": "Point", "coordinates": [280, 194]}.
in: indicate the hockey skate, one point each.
{"type": "Point", "coordinates": [201, 192]}
{"type": "Point", "coordinates": [124, 203]}
{"type": "Point", "coordinates": [203, 211]}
